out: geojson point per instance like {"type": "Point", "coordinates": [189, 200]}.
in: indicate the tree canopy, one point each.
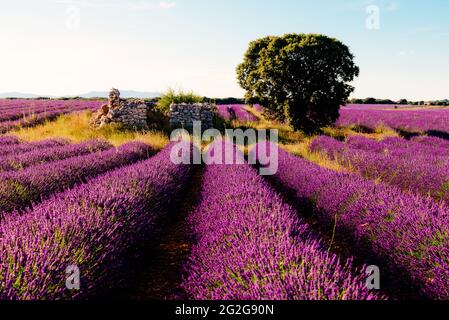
{"type": "Point", "coordinates": [299, 78]}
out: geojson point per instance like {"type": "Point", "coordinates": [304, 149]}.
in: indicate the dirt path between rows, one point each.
{"type": "Point", "coordinates": [159, 274]}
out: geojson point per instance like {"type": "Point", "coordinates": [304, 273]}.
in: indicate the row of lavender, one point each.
{"type": "Point", "coordinates": [381, 106]}
{"type": "Point", "coordinates": [8, 104]}
{"type": "Point", "coordinates": [11, 145]}
{"type": "Point", "coordinates": [30, 119]}
{"type": "Point", "coordinates": [43, 106]}
{"type": "Point", "coordinates": [238, 112]}
{"type": "Point", "coordinates": [432, 141]}
{"type": "Point", "coordinates": [276, 255]}
{"type": "Point", "coordinates": [21, 108]}
{"type": "Point", "coordinates": [420, 121]}
{"type": "Point", "coordinates": [408, 234]}
{"type": "Point", "coordinates": [20, 189]}
{"type": "Point", "coordinates": [250, 245]}
{"type": "Point", "coordinates": [34, 107]}
{"type": "Point", "coordinates": [8, 140]}
{"type": "Point", "coordinates": [15, 161]}
{"type": "Point", "coordinates": [94, 226]}
{"type": "Point", "coordinates": [410, 165]}
{"type": "Point", "coordinates": [421, 146]}
{"type": "Point", "coordinates": [17, 104]}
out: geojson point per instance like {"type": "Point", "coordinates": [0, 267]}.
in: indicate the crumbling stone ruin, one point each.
{"type": "Point", "coordinates": [184, 114]}
{"type": "Point", "coordinates": [131, 114]}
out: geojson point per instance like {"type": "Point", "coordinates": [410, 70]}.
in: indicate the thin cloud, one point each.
{"type": "Point", "coordinates": [80, 3]}
{"type": "Point", "coordinates": [119, 4]}
{"type": "Point", "coordinates": [167, 5]}
{"type": "Point", "coordinates": [406, 53]}
{"type": "Point", "coordinates": [392, 6]}
{"type": "Point", "coordinates": [143, 6]}
{"type": "Point", "coordinates": [358, 5]}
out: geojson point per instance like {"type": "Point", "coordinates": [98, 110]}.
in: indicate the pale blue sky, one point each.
{"type": "Point", "coordinates": [196, 44]}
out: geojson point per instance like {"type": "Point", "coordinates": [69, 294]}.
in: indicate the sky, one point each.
{"type": "Point", "coordinates": [63, 47]}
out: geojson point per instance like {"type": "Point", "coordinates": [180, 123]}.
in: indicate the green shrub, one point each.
{"type": "Point", "coordinates": [173, 96]}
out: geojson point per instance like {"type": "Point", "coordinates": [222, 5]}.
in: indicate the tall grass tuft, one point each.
{"type": "Point", "coordinates": [75, 127]}
{"type": "Point", "coordinates": [177, 96]}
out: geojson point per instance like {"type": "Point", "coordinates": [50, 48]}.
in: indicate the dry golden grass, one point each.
{"type": "Point", "coordinates": [340, 132]}
{"type": "Point", "coordinates": [381, 132]}
{"type": "Point", "coordinates": [302, 149]}
{"type": "Point", "coordinates": [75, 127]}
{"type": "Point", "coordinates": [255, 113]}
{"type": "Point", "coordinates": [286, 133]}
{"type": "Point", "coordinates": [297, 142]}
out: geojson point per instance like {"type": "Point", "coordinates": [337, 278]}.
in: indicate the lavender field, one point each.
{"type": "Point", "coordinates": [21, 113]}
{"type": "Point", "coordinates": [403, 231]}
{"type": "Point", "coordinates": [136, 225]}
{"type": "Point", "coordinates": [430, 121]}
{"type": "Point", "coordinates": [192, 159]}
{"type": "Point", "coordinates": [238, 112]}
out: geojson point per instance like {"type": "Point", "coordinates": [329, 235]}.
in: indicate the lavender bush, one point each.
{"type": "Point", "coordinates": [25, 118]}
{"type": "Point", "coordinates": [250, 245]}
{"type": "Point", "coordinates": [8, 140]}
{"type": "Point", "coordinates": [14, 162]}
{"type": "Point", "coordinates": [416, 168]}
{"type": "Point", "coordinates": [16, 109]}
{"type": "Point", "coordinates": [408, 120]}
{"type": "Point", "coordinates": [409, 233]}
{"type": "Point", "coordinates": [19, 189]}
{"type": "Point", "coordinates": [236, 111]}
{"type": "Point", "coordinates": [8, 149]}
{"type": "Point", "coordinates": [378, 106]}
{"type": "Point", "coordinates": [401, 147]}
{"type": "Point", "coordinates": [92, 226]}
{"type": "Point", "coordinates": [432, 141]}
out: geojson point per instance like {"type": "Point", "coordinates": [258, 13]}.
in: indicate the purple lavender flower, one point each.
{"type": "Point", "coordinates": [409, 233]}
{"type": "Point", "coordinates": [411, 166]}
{"type": "Point", "coordinates": [8, 149]}
{"type": "Point", "coordinates": [20, 161]}
{"type": "Point", "coordinates": [22, 113]}
{"type": "Point", "coordinates": [250, 245]}
{"type": "Point", "coordinates": [235, 111]}
{"type": "Point", "coordinates": [8, 140]}
{"type": "Point", "coordinates": [21, 188]}
{"type": "Point", "coordinates": [94, 226]}
{"type": "Point", "coordinates": [409, 120]}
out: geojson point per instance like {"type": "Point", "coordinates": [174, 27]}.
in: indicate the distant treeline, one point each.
{"type": "Point", "coordinates": [61, 98]}
{"type": "Point", "coordinates": [221, 101]}
{"type": "Point", "coordinates": [444, 102]}
{"type": "Point", "coordinates": [230, 100]}
{"type": "Point", "coordinates": [218, 101]}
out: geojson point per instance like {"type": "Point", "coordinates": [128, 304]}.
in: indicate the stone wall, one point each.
{"type": "Point", "coordinates": [184, 114]}
{"type": "Point", "coordinates": [131, 114]}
